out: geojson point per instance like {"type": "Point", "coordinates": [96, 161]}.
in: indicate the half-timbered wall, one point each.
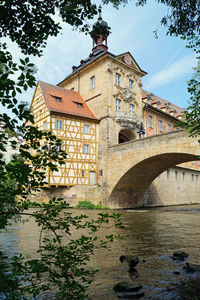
{"type": "Point", "coordinates": [79, 140]}
{"type": "Point", "coordinates": [40, 111]}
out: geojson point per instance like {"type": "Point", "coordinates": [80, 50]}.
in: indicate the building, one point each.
{"type": "Point", "coordinates": [100, 104]}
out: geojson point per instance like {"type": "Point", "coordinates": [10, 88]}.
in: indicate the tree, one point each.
{"type": "Point", "coordinates": [183, 17]}
{"type": "Point", "coordinates": [192, 115]}
{"type": "Point", "coordinates": [183, 20]}
{"type": "Point", "coordinates": [60, 268]}
{"type": "Point", "coordinates": [29, 24]}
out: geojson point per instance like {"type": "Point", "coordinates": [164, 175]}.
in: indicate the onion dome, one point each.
{"type": "Point", "coordinates": [100, 32]}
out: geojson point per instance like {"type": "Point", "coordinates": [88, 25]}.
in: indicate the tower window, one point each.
{"type": "Point", "coordinates": [132, 108]}
{"type": "Point", "coordinates": [150, 121]}
{"type": "Point", "coordinates": [86, 148]}
{"type": "Point", "coordinates": [118, 104]}
{"type": "Point", "coordinates": [169, 127]}
{"type": "Point", "coordinates": [92, 82]}
{"type": "Point", "coordinates": [59, 125]}
{"type": "Point", "coordinates": [117, 79]}
{"type": "Point", "coordinates": [131, 83]}
{"type": "Point", "coordinates": [160, 125]}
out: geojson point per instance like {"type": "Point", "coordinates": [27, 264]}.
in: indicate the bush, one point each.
{"type": "Point", "coordinates": [88, 204]}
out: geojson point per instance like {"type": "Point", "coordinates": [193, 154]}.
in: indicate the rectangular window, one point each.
{"type": "Point", "coordinates": [132, 108]}
{"type": "Point", "coordinates": [86, 148]}
{"type": "Point", "coordinates": [118, 104]}
{"type": "Point", "coordinates": [59, 125]}
{"type": "Point", "coordinates": [86, 128]}
{"type": "Point", "coordinates": [169, 127]}
{"type": "Point", "coordinates": [150, 121]}
{"type": "Point", "coordinates": [83, 173]}
{"type": "Point", "coordinates": [59, 147]}
{"type": "Point", "coordinates": [117, 79]}
{"type": "Point", "coordinates": [192, 177]}
{"type": "Point", "coordinates": [92, 82]}
{"type": "Point", "coordinates": [196, 178]}
{"type": "Point", "coordinates": [160, 126]}
{"type": "Point", "coordinates": [183, 176]}
{"type": "Point", "coordinates": [176, 175]}
{"type": "Point", "coordinates": [45, 125]}
{"type": "Point", "coordinates": [131, 83]}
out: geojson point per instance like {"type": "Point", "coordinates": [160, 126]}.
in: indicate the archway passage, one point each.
{"type": "Point", "coordinates": [126, 135]}
{"type": "Point", "coordinates": [133, 184]}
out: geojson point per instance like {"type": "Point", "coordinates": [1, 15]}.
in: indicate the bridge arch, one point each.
{"type": "Point", "coordinates": [133, 184]}
{"type": "Point", "coordinates": [132, 166]}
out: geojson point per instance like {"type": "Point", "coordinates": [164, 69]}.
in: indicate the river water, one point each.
{"type": "Point", "coordinates": [152, 234]}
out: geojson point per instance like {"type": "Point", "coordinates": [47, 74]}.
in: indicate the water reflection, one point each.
{"type": "Point", "coordinates": [152, 234]}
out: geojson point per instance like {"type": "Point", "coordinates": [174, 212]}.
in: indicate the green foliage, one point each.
{"type": "Point", "coordinates": [30, 23]}
{"type": "Point", "coordinates": [60, 270]}
{"type": "Point", "coordinates": [88, 204]}
{"type": "Point", "coordinates": [191, 122]}
{"type": "Point", "coordinates": [183, 16]}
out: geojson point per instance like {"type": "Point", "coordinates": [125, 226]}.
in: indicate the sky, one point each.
{"type": "Point", "coordinates": [166, 60]}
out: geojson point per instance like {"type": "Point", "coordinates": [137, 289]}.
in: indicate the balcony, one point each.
{"type": "Point", "coordinates": [128, 120]}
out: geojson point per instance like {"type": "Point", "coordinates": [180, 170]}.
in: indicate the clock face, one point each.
{"type": "Point", "coordinates": [127, 59]}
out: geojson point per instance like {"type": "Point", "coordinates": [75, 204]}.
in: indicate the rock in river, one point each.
{"type": "Point", "coordinates": [126, 290]}
{"type": "Point", "coordinates": [180, 255]}
{"type": "Point", "coordinates": [132, 261]}
{"type": "Point", "coordinates": [191, 268]}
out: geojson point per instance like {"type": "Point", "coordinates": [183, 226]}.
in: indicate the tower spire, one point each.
{"type": "Point", "coordinates": [100, 32]}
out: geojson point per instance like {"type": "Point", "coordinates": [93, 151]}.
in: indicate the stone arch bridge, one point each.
{"type": "Point", "coordinates": [132, 166]}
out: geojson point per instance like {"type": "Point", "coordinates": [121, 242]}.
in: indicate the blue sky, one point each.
{"type": "Point", "coordinates": [166, 60]}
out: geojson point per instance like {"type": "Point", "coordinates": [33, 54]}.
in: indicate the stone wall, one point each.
{"type": "Point", "coordinates": [173, 187]}
{"type": "Point", "coordinates": [73, 194]}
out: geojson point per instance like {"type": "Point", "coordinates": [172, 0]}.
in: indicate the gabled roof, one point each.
{"type": "Point", "coordinates": [153, 99]}
{"type": "Point", "coordinates": [94, 56]}
{"type": "Point", "coordinates": [84, 62]}
{"type": "Point", "coordinates": [69, 101]}
{"type": "Point", "coordinates": [134, 63]}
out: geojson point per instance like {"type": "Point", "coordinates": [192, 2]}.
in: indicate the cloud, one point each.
{"type": "Point", "coordinates": [172, 72]}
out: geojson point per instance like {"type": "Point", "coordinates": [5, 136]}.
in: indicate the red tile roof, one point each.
{"type": "Point", "coordinates": [68, 104]}
{"type": "Point", "coordinates": [162, 102]}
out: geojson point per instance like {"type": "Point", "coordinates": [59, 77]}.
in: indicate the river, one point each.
{"type": "Point", "coordinates": [152, 234]}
